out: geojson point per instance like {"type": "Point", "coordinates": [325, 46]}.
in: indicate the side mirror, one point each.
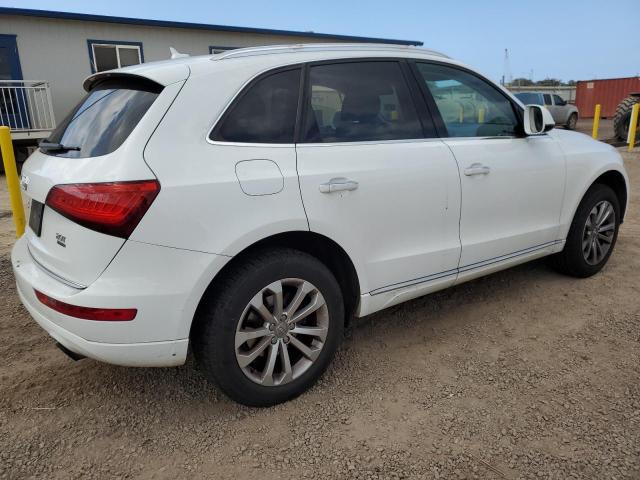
{"type": "Point", "coordinates": [537, 120]}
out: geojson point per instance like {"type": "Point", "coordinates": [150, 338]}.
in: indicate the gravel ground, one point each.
{"type": "Point", "coordinates": [523, 374]}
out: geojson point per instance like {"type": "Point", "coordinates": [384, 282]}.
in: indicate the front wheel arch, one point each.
{"type": "Point", "coordinates": [614, 180]}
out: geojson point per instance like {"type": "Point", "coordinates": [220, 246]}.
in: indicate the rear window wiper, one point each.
{"type": "Point", "coordinates": [56, 147]}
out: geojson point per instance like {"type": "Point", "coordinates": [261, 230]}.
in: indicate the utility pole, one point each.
{"type": "Point", "coordinates": [506, 73]}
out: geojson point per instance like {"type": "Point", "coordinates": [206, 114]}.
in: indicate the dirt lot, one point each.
{"type": "Point", "coordinates": [605, 130]}
{"type": "Point", "coordinates": [524, 374]}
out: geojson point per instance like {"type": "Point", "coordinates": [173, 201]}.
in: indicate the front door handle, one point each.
{"type": "Point", "coordinates": [338, 184]}
{"type": "Point", "coordinates": [476, 169]}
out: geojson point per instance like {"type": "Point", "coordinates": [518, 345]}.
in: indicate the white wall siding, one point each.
{"type": "Point", "coordinates": [56, 50]}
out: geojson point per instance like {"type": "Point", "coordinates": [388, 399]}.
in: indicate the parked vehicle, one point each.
{"type": "Point", "coordinates": [249, 203]}
{"type": "Point", "coordinates": [563, 113]}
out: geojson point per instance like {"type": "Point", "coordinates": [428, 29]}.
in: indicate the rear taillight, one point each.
{"type": "Point", "coordinates": [87, 313]}
{"type": "Point", "coordinates": [113, 208]}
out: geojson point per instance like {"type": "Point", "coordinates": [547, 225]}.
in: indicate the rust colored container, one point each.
{"type": "Point", "coordinates": [608, 93]}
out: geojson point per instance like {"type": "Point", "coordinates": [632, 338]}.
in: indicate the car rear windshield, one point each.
{"type": "Point", "coordinates": [529, 98]}
{"type": "Point", "coordinates": [103, 120]}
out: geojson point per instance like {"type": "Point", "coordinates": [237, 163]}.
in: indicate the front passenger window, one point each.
{"type": "Point", "coordinates": [468, 105]}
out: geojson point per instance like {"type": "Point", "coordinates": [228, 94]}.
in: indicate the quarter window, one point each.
{"type": "Point", "coordinates": [361, 101]}
{"type": "Point", "coordinates": [107, 56]}
{"type": "Point", "coordinates": [265, 113]}
{"type": "Point", "coordinates": [468, 105]}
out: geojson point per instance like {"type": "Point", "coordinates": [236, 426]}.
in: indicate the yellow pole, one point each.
{"type": "Point", "coordinates": [596, 122]}
{"type": "Point", "coordinates": [481, 115]}
{"type": "Point", "coordinates": [11, 172]}
{"type": "Point", "coordinates": [633, 126]}
{"type": "Point", "coordinates": [461, 114]}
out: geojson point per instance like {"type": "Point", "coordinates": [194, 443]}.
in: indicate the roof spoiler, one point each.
{"type": "Point", "coordinates": [97, 78]}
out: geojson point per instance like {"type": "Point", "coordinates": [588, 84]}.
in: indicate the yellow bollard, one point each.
{"type": "Point", "coordinates": [596, 122]}
{"type": "Point", "coordinates": [481, 115]}
{"type": "Point", "coordinates": [11, 172]}
{"type": "Point", "coordinates": [633, 126]}
{"type": "Point", "coordinates": [461, 114]}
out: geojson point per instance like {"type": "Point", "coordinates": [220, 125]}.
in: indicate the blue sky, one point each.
{"type": "Point", "coordinates": [566, 39]}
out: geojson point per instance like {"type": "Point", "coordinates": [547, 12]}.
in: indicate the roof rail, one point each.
{"type": "Point", "coordinates": [321, 47]}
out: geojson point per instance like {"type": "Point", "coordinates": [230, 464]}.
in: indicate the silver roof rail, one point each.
{"type": "Point", "coordinates": [322, 47]}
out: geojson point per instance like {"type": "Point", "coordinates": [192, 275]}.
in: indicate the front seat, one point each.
{"type": "Point", "coordinates": [360, 116]}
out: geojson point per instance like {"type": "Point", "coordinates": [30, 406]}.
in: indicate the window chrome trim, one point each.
{"type": "Point", "coordinates": [370, 142]}
{"type": "Point", "coordinates": [248, 144]}
{"type": "Point", "coordinates": [302, 65]}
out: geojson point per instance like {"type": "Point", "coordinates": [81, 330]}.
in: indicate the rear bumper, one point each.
{"type": "Point", "coordinates": [151, 354]}
{"type": "Point", "coordinates": [164, 284]}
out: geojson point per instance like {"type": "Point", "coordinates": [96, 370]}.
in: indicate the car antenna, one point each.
{"type": "Point", "coordinates": [176, 54]}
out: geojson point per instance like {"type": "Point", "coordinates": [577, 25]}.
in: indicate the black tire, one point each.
{"type": "Point", "coordinates": [572, 122]}
{"type": "Point", "coordinates": [622, 117]}
{"type": "Point", "coordinates": [217, 319]}
{"type": "Point", "coordinates": [571, 261]}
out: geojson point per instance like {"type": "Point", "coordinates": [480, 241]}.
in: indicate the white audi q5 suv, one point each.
{"type": "Point", "coordinates": [248, 203]}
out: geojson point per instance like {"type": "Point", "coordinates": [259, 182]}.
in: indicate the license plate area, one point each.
{"type": "Point", "coordinates": [35, 217]}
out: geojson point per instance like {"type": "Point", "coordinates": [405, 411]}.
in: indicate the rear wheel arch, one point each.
{"type": "Point", "coordinates": [323, 248]}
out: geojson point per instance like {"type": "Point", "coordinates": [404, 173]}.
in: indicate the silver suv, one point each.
{"type": "Point", "coordinates": [563, 113]}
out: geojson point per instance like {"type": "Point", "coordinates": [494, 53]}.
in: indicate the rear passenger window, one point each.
{"type": "Point", "coordinates": [547, 99]}
{"type": "Point", "coordinates": [265, 113]}
{"type": "Point", "coordinates": [363, 101]}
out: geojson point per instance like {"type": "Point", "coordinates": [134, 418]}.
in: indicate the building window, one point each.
{"type": "Point", "coordinates": [217, 49]}
{"type": "Point", "coordinates": [107, 55]}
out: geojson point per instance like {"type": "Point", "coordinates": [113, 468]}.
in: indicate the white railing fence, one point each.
{"type": "Point", "coordinates": [25, 105]}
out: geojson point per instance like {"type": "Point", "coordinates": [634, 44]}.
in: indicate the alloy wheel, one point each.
{"type": "Point", "coordinates": [281, 332]}
{"type": "Point", "coordinates": [598, 233]}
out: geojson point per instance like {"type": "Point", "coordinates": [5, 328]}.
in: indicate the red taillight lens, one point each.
{"type": "Point", "coordinates": [88, 313]}
{"type": "Point", "coordinates": [113, 208]}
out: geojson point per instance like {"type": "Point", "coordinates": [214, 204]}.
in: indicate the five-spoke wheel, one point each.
{"type": "Point", "coordinates": [281, 331]}
{"type": "Point", "coordinates": [598, 232]}
{"type": "Point", "coordinates": [268, 330]}
{"type": "Point", "coordinates": [592, 234]}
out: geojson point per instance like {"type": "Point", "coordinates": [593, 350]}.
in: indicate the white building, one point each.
{"type": "Point", "coordinates": [45, 56]}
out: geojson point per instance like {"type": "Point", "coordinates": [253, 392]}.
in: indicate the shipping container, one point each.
{"type": "Point", "coordinates": [607, 92]}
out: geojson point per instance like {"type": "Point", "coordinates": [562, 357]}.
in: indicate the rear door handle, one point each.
{"type": "Point", "coordinates": [476, 169]}
{"type": "Point", "coordinates": [338, 184]}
